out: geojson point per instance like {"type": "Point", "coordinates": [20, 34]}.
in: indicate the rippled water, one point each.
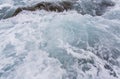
{"type": "Point", "coordinates": [67, 45]}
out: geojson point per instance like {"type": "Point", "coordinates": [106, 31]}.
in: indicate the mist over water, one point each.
{"type": "Point", "coordinates": [66, 45]}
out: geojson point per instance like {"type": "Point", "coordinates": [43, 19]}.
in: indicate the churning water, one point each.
{"type": "Point", "coordinates": [66, 45]}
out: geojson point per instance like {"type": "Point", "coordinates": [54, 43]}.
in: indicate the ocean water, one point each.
{"type": "Point", "coordinates": [66, 45]}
